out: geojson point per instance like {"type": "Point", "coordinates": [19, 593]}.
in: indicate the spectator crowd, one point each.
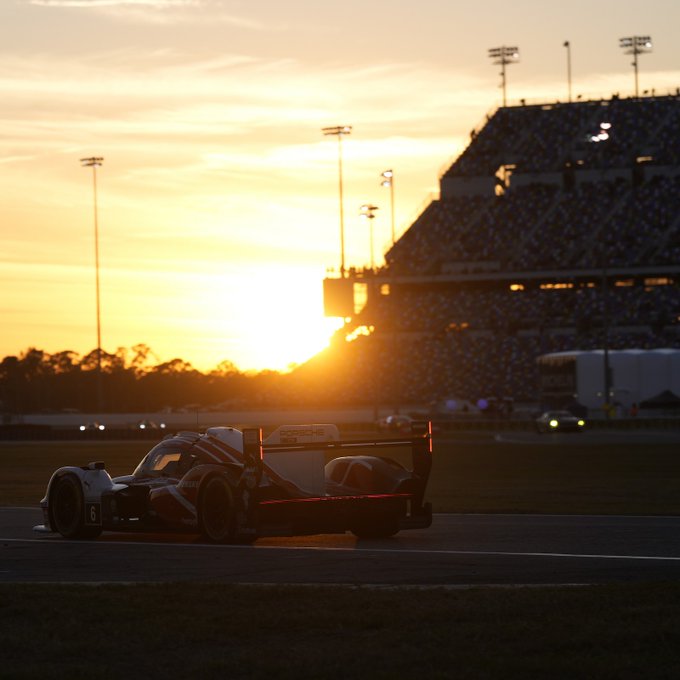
{"type": "Point", "coordinates": [578, 249]}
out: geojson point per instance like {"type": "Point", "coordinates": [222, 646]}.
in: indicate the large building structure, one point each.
{"type": "Point", "coordinates": [557, 229]}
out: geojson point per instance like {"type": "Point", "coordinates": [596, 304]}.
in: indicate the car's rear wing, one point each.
{"type": "Point", "coordinates": [419, 442]}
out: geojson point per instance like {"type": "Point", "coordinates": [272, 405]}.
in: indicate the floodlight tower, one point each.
{"type": "Point", "coordinates": [94, 162]}
{"type": "Point", "coordinates": [388, 181]}
{"type": "Point", "coordinates": [504, 56]}
{"type": "Point", "coordinates": [635, 45]}
{"type": "Point", "coordinates": [567, 45]}
{"type": "Point", "coordinates": [339, 131]}
{"type": "Point", "coordinates": [367, 212]}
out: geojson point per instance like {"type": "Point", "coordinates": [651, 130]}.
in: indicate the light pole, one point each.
{"type": "Point", "coordinates": [605, 333]}
{"type": "Point", "coordinates": [339, 131]}
{"type": "Point", "coordinates": [93, 162]}
{"type": "Point", "coordinates": [367, 211]}
{"type": "Point", "coordinates": [388, 181]}
{"type": "Point", "coordinates": [635, 45]}
{"type": "Point", "coordinates": [504, 56]}
{"type": "Point", "coordinates": [567, 44]}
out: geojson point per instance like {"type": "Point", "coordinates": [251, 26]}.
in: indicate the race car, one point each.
{"type": "Point", "coordinates": [230, 487]}
{"type": "Point", "coordinates": [395, 423]}
{"type": "Point", "coordinates": [559, 421]}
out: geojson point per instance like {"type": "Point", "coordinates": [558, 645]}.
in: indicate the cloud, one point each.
{"type": "Point", "coordinates": [93, 4]}
{"type": "Point", "coordinates": [16, 159]}
{"type": "Point", "coordinates": [157, 11]}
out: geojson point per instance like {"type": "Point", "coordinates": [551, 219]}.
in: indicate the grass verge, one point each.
{"type": "Point", "coordinates": [478, 475]}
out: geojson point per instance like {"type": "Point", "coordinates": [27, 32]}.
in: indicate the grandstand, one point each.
{"type": "Point", "coordinates": [557, 229]}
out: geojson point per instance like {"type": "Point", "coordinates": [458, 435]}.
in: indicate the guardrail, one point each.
{"type": "Point", "coordinates": [51, 433]}
{"type": "Point", "coordinates": [498, 424]}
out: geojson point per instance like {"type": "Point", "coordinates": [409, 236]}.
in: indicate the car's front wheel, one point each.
{"type": "Point", "coordinates": [67, 510]}
{"type": "Point", "coordinates": [216, 511]}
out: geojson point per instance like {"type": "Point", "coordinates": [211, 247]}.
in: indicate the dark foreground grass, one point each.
{"type": "Point", "coordinates": [222, 631]}
{"type": "Point", "coordinates": [480, 475]}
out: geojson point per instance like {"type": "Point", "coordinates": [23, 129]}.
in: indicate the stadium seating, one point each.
{"type": "Point", "coordinates": [574, 244]}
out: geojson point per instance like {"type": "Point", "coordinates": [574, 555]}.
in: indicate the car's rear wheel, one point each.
{"type": "Point", "coordinates": [377, 527]}
{"type": "Point", "coordinates": [67, 510]}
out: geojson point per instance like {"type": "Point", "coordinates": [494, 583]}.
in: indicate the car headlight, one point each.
{"type": "Point", "coordinates": [554, 423]}
{"type": "Point", "coordinates": [581, 423]}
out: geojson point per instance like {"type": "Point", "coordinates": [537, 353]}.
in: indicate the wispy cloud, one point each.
{"type": "Point", "coordinates": [91, 4]}
{"type": "Point", "coordinates": [158, 11]}
{"type": "Point", "coordinates": [16, 159]}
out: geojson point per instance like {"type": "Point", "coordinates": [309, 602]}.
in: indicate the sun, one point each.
{"type": "Point", "coordinates": [290, 345]}
{"type": "Point", "coordinates": [258, 319]}
{"type": "Point", "coordinates": [284, 320]}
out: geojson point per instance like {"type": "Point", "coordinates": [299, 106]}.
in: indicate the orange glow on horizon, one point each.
{"type": "Point", "coordinates": [218, 200]}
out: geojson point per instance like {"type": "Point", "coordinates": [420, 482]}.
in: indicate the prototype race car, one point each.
{"type": "Point", "coordinates": [231, 488]}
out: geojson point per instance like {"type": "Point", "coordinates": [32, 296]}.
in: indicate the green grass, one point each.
{"type": "Point", "coordinates": [468, 474]}
{"type": "Point", "coordinates": [557, 478]}
{"type": "Point", "coordinates": [222, 631]}
{"type": "Point", "coordinates": [26, 467]}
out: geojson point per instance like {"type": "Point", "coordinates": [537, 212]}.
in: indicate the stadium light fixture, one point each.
{"type": "Point", "coordinates": [636, 45]}
{"type": "Point", "coordinates": [602, 135]}
{"type": "Point", "coordinates": [504, 56]}
{"type": "Point", "coordinates": [367, 212]}
{"type": "Point", "coordinates": [388, 181]}
{"type": "Point", "coordinates": [94, 162]}
{"type": "Point", "coordinates": [339, 131]}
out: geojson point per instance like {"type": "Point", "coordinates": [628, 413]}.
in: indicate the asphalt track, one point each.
{"type": "Point", "coordinates": [458, 550]}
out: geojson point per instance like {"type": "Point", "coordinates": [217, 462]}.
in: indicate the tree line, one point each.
{"type": "Point", "coordinates": [36, 381]}
{"type": "Point", "coordinates": [133, 380]}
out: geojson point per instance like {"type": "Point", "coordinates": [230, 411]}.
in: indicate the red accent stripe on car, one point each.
{"type": "Point", "coordinates": [316, 499]}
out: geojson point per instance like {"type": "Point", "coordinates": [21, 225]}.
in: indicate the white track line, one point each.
{"type": "Point", "coordinates": [393, 551]}
{"type": "Point", "coordinates": [318, 584]}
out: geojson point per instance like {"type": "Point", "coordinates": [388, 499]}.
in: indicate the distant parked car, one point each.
{"type": "Point", "coordinates": [395, 423]}
{"type": "Point", "coordinates": [559, 421]}
{"type": "Point", "coordinates": [150, 425]}
{"type": "Point", "coordinates": [92, 427]}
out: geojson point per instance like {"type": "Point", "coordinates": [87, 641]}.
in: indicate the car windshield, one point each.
{"type": "Point", "coordinates": [161, 461]}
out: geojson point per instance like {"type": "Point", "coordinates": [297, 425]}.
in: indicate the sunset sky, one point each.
{"type": "Point", "coordinates": [218, 196]}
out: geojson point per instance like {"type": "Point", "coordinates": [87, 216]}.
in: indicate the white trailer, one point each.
{"type": "Point", "coordinates": [635, 375]}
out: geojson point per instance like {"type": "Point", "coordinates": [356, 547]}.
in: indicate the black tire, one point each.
{"type": "Point", "coordinates": [67, 510]}
{"type": "Point", "coordinates": [378, 527]}
{"type": "Point", "coordinates": [216, 511]}
{"type": "Point", "coordinates": [244, 539]}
